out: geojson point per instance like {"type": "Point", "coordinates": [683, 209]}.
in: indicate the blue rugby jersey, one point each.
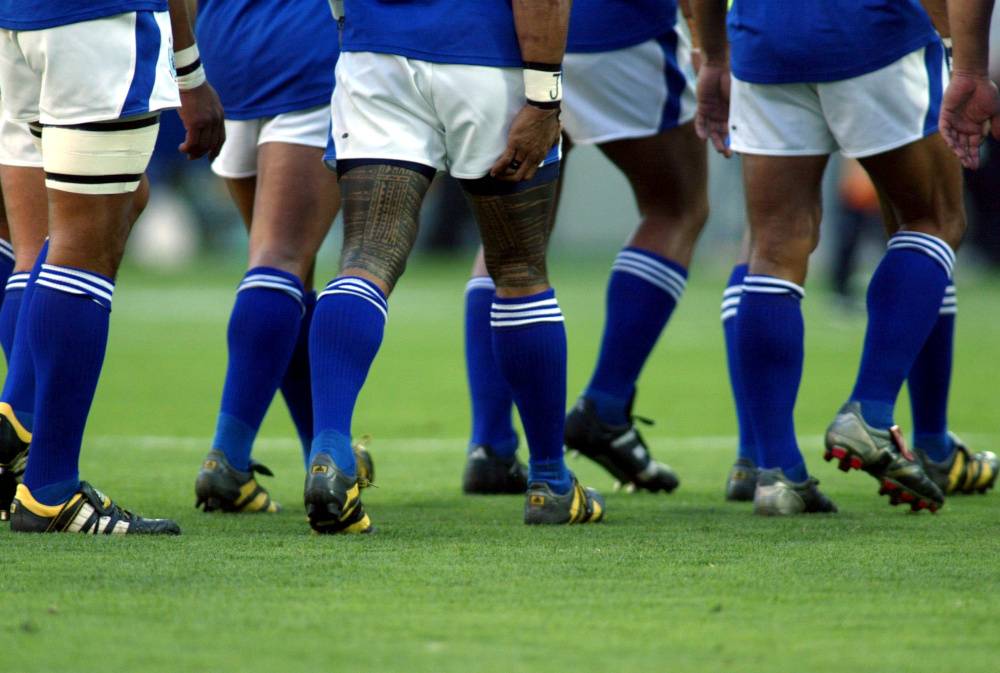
{"type": "Point", "coordinates": [470, 32]}
{"type": "Point", "coordinates": [784, 41]}
{"type": "Point", "coordinates": [606, 25]}
{"type": "Point", "coordinates": [39, 14]}
{"type": "Point", "coordinates": [266, 57]}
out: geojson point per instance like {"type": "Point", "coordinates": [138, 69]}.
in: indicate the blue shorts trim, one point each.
{"type": "Point", "coordinates": [147, 54]}
{"type": "Point", "coordinates": [675, 80]}
{"type": "Point", "coordinates": [934, 60]}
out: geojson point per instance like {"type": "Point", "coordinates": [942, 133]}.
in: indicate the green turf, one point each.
{"type": "Point", "coordinates": [680, 583]}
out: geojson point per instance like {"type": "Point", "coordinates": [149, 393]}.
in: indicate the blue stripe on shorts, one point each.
{"type": "Point", "coordinates": [147, 55]}
{"type": "Point", "coordinates": [675, 81]}
{"type": "Point", "coordinates": [934, 61]}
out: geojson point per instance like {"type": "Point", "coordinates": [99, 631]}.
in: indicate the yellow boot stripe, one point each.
{"type": "Point", "coordinates": [598, 512]}
{"type": "Point", "coordinates": [27, 501]}
{"type": "Point", "coordinates": [577, 509]}
{"type": "Point", "coordinates": [22, 432]}
{"type": "Point", "coordinates": [259, 503]}
{"type": "Point", "coordinates": [985, 476]}
{"type": "Point", "coordinates": [359, 526]}
{"type": "Point", "coordinates": [246, 491]}
{"type": "Point", "coordinates": [957, 470]}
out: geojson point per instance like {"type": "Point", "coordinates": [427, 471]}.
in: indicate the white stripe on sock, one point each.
{"type": "Point", "coordinates": [6, 249]}
{"type": "Point", "coordinates": [652, 264]}
{"type": "Point", "coordinates": [931, 246]}
{"type": "Point", "coordinates": [480, 283]}
{"type": "Point", "coordinates": [768, 285]}
{"type": "Point", "coordinates": [294, 292]}
{"type": "Point", "coordinates": [357, 286]}
{"type": "Point", "coordinates": [732, 291]}
{"type": "Point", "coordinates": [731, 313]}
{"type": "Point", "coordinates": [56, 279]}
{"type": "Point", "coordinates": [520, 307]}
{"type": "Point", "coordinates": [527, 321]}
{"type": "Point", "coordinates": [83, 275]}
{"type": "Point", "coordinates": [359, 295]}
{"type": "Point", "coordinates": [510, 315]}
{"type": "Point", "coordinates": [732, 302]}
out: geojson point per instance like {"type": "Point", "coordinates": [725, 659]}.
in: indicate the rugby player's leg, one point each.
{"type": "Point", "coordinates": [27, 213]}
{"type": "Point", "coordinates": [668, 175]}
{"type": "Point", "coordinates": [529, 339]}
{"type": "Point", "coordinates": [784, 210]}
{"type": "Point", "coordinates": [288, 209]}
{"type": "Point", "coordinates": [492, 465]}
{"type": "Point", "coordinates": [382, 201]}
{"type": "Point", "coordinates": [742, 480]}
{"type": "Point", "coordinates": [921, 184]}
{"type": "Point", "coordinates": [381, 210]}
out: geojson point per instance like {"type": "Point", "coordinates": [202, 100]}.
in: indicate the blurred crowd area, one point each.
{"type": "Point", "coordinates": [190, 214]}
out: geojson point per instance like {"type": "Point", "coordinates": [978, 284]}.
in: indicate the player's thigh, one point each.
{"type": "Point", "coordinates": [922, 185]}
{"type": "Point", "coordinates": [784, 206]}
{"type": "Point", "coordinates": [27, 212]}
{"type": "Point", "coordinates": [243, 192]}
{"type": "Point", "coordinates": [296, 201]}
{"type": "Point", "coordinates": [24, 191]}
{"type": "Point", "coordinates": [668, 172]}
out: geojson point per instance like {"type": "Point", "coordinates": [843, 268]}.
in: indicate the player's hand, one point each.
{"type": "Point", "coordinates": [971, 104]}
{"type": "Point", "coordinates": [711, 121]}
{"type": "Point", "coordinates": [532, 135]}
{"type": "Point", "coordinates": [201, 113]}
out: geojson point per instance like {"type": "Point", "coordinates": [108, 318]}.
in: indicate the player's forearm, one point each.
{"type": "Point", "coordinates": [692, 23]}
{"type": "Point", "coordinates": [969, 21]}
{"type": "Point", "coordinates": [542, 26]}
{"type": "Point", "coordinates": [938, 11]}
{"type": "Point", "coordinates": [180, 24]}
{"type": "Point", "coordinates": [710, 16]}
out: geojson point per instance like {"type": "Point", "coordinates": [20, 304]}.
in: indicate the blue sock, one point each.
{"type": "Point", "coordinates": [263, 329]}
{"type": "Point", "coordinates": [346, 334]}
{"type": "Point", "coordinates": [904, 298]}
{"type": "Point", "coordinates": [19, 386]}
{"type": "Point", "coordinates": [929, 382]}
{"type": "Point", "coordinates": [492, 403]}
{"type": "Point", "coordinates": [67, 324]}
{"type": "Point", "coordinates": [296, 386]}
{"type": "Point", "coordinates": [12, 295]}
{"type": "Point", "coordinates": [770, 338]}
{"type": "Point", "coordinates": [529, 343]}
{"type": "Point", "coordinates": [643, 291]}
{"type": "Point", "coordinates": [730, 307]}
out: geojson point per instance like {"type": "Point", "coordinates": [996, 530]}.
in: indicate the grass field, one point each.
{"type": "Point", "coordinates": [683, 583]}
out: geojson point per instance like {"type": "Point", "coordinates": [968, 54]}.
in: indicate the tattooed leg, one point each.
{"type": "Point", "coordinates": [381, 209]}
{"type": "Point", "coordinates": [515, 230]}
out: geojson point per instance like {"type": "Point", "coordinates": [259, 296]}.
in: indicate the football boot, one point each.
{"type": "Point", "coordinates": [88, 511]}
{"type": "Point", "coordinates": [14, 441]}
{"type": "Point", "coordinates": [965, 472]}
{"type": "Point", "coordinates": [883, 454]}
{"type": "Point", "coordinates": [777, 495]}
{"type": "Point", "coordinates": [220, 486]}
{"type": "Point", "coordinates": [619, 449]}
{"type": "Point", "coordinates": [488, 474]}
{"type": "Point", "coordinates": [333, 499]}
{"type": "Point", "coordinates": [742, 481]}
{"type": "Point", "coordinates": [578, 505]}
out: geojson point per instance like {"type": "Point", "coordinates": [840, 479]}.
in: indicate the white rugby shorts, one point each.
{"type": "Point", "coordinates": [450, 117]}
{"type": "Point", "coordinates": [636, 92]}
{"type": "Point", "coordinates": [861, 116]}
{"type": "Point", "coordinates": [91, 71]}
{"type": "Point", "coordinates": [17, 147]}
{"type": "Point", "coordinates": [238, 158]}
